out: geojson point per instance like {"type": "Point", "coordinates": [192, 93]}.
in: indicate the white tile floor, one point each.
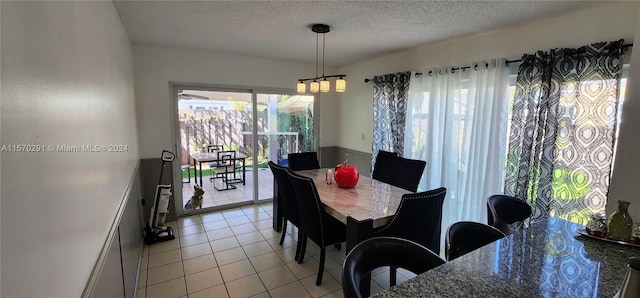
{"type": "Point", "coordinates": [235, 253]}
{"type": "Point", "coordinates": [213, 198]}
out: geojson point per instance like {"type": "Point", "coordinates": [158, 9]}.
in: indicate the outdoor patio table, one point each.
{"type": "Point", "coordinates": [199, 158]}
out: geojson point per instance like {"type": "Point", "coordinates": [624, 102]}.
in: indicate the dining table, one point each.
{"type": "Point", "coordinates": [551, 258]}
{"type": "Point", "coordinates": [370, 204]}
{"type": "Point", "coordinates": [199, 158]}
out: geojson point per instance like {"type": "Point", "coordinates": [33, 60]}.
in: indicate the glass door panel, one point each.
{"type": "Point", "coordinates": [285, 124]}
{"type": "Point", "coordinates": [208, 118]}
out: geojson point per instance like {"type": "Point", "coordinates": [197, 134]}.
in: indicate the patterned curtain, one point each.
{"type": "Point", "coordinates": [563, 130]}
{"type": "Point", "coordinates": [390, 93]}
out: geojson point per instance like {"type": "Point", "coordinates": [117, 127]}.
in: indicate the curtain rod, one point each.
{"type": "Point", "coordinates": [367, 80]}
{"type": "Point", "coordinates": [624, 47]}
{"type": "Point", "coordinates": [453, 69]}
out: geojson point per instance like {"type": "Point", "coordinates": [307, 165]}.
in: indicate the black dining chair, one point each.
{"type": "Point", "coordinates": [316, 224]}
{"type": "Point", "coordinates": [503, 211]}
{"type": "Point", "coordinates": [211, 148]}
{"type": "Point", "coordinates": [401, 172]}
{"type": "Point", "coordinates": [382, 164]}
{"type": "Point", "coordinates": [419, 219]}
{"type": "Point", "coordinates": [226, 166]}
{"type": "Point", "coordinates": [288, 202]}
{"type": "Point", "coordinates": [303, 161]}
{"type": "Point", "coordinates": [384, 251]}
{"type": "Point", "coordinates": [466, 236]}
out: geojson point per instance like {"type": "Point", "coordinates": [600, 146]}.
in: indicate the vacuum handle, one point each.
{"type": "Point", "coordinates": [168, 155]}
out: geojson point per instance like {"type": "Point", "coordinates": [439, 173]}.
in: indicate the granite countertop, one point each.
{"type": "Point", "coordinates": [370, 199]}
{"type": "Point", "coordinates": [549, 259]}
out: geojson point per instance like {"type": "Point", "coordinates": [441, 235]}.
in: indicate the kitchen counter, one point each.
{"type": "Point", "coordinates": [548, 259]}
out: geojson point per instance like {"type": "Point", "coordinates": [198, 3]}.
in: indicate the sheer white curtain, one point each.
{"type": "Point", "coordinates": [457, 123]}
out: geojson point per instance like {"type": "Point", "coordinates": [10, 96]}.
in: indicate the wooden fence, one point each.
{"type": "Point", "coordinates": [229, 129]}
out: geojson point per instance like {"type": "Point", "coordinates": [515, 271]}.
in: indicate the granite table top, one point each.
{"type": "Point", "coordinates": [369, 199]}
{"type": "Point", "coordinates": [548, 259]}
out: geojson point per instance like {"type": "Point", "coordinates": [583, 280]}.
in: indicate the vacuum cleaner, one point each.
{"type": "Point", "coordinates": [154, 231]}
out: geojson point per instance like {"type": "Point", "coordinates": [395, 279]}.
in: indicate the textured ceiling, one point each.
{"type": "Point", "coordinates": [360, 30]}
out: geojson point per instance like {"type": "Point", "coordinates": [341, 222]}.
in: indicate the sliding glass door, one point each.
{"type": "Point", "coordinates": [285, 124]}
{"type": "Point", "coordinates": [257, 127]}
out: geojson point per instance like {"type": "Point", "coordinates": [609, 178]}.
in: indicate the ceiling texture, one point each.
{"type": "Point", "coordinates": [360, 30]}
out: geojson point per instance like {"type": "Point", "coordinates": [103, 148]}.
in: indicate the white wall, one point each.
{"type": "Point", "coordinates": [155, 67]}
{"type": "Point", "coordinates": [604, 23]}
{"type": "Point", "coordinates": [626, 176]}
{"type": "Point", "coordinates": [67, 79]}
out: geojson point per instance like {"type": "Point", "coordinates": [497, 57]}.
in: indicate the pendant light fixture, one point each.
{"type": "Point", "coordinates": [321, 83]}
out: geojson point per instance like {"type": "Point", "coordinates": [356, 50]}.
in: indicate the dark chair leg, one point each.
{"type": "Point", "coordinates": [321, 266]}
{"type": "Point", "coordinates": [301, 238]}
{"type": "Point", "coordinates": [302, 250]}
{"type": "Point", "coordinates": [392, 275]}
{"type": "Point", "coordinates": [284, 230]}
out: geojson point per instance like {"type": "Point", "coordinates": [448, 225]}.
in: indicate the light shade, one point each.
{"type": "Point", "coordinates": [302, 87]}
{"type": "Point", "coordinates": [341, 85]}
{"type": "Point", "coordinates": [314, 86]}
{"type": "Point", "coordinates": [325, 85]}
{"type": "Point", "coordinates": [321, 83]}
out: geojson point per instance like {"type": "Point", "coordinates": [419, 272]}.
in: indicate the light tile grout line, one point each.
{"type": "Point", "coordinates": [201, 223]}
{"type": "Point", "coordinates": [254, 267]}
{"type": "Point", "coordinates": [146, 282]}
{"type": "Point", "coordinates": [184, 274]}
{"type": "Point", "coordinates": [214, 256]}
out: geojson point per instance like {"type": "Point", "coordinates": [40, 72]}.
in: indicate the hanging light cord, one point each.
{"type": "Point", "coordinates": [320, 29]}
{"type": "Point", "coordinates": [322, 55]}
